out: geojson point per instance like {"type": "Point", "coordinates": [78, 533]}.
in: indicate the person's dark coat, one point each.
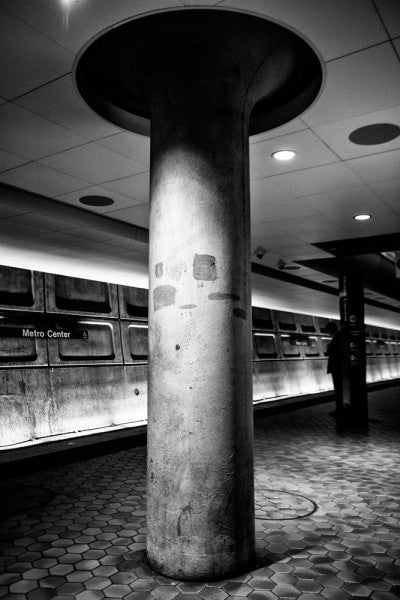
{"type": "Point", "coordinates": [334, 352]}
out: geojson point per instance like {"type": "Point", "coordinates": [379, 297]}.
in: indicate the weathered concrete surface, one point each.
{"type": "Point", "coordinates": [200, 514]}
{"type": "Point", "coordinates": [20, 289]}
{"type": "Point", "coordinates": [91, 397]}
{"type": "Point", "coordinates": [40, 403]}
{"type": "Point", "coordinates": [80, 296]}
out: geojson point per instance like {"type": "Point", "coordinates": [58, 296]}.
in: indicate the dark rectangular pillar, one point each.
{"type": "Point", "coordinates": [351, 292]}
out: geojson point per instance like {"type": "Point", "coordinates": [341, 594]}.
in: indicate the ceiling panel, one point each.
{"type": "Point", "coordinates": [27, 59]}
{"type": "Point", "coordinates": [138, 215]}
{"type": "Point", "coordinates": [265, 189]}
{"type": "Point", "coordinates": [266, 228]}
{"type": "Point", "coordinates": [8, 209]}
{"type": "Point", "coordinates": [31, 136]}
{"type": "Point", "coordinates": [383, 219]}
{"type": "Point", "coordinates": [200, 2]}
{"type": "Point", "coordinates": [291, 127]}
{"type": "Point", "coordinates": [298, 225]}
{"type": "Point", "coordinates": [106, 251]}
{"type": "Point", "coordinates": [336, 231]}
{"type": "Point", "coordinates": [336, 135]}
{"type": "Point", "coordinates": [116, 241]}
{"type": "Point", "coordinates": [310, 152]}
{"type": "Point", "coordinates": [397, 46]}
{"type": "Point", "coordinates": [94, 162]}
{"type": "Point", "coordinates": [60, 102]}
{"type": "Point", "coordinates": [319, 235]}
{"type": "Point", "coordinates": [377, 168]}
{"type": "Point", "coordinates": [279, 238]}
{"type": "Point", "coordinates": [282, 241]}
{"type": "Point", "coordinates": [390, 13]}
{"type": "Point", "coordinates": [342, 206]}
{"type": "Point", "coordinates": [354, 195]}
{"type": "Point", "coordinates": [271, 209]}
{"type": "Point", "coordinates": [37, 236]}
{"type": "Point", "coordinates": [335, 28]}
{"type": "Point", "coordinates": [137, 187]}
{"type": "Point", "coordinates": [315, 180]}
{"type": "Point", "coordinates": [132, 145]}
{"type": "Point", "coordinates": [41, 180]}
{"type": "Point", "coordinates": [72, 26]}
{"type": "Point", "coordinates": [119, 201]}
{"type": "Point", "coordinates": [298, 252]}
{"type": "Point", "coordinates": [9, 161]}
{"type": "Point", "coordinates": [361, 83]}
{"type": "Point", "coordinates": [38, 220]}
{"type": "Point", "coordinates": [389, 191]}
{"type": "Point", "coordinates": [261, 232]}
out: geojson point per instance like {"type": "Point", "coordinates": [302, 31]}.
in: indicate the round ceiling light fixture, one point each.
{"type": "Point", "coordinates": [96, 201]}
{"type": "Point", "coordinates": [363, 217]}
{"type": "Point", "coordinates": [372, 135]}
{"type": "Point", "coordinates": [283, 154]}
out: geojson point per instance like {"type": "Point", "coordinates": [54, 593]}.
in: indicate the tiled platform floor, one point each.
{"type": "Point", "coordinates": [87, 543]}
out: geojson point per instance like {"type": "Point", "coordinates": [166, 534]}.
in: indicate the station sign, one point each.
{"type": "Point", "coordinates": [44, 334]}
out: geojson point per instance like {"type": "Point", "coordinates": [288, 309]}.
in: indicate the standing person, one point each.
{"type": "Point", "coordinates": [335, 367]}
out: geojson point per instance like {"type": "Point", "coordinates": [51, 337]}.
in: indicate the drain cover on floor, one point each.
{"type": "Point", "coordinates": [279, 505]}
{"type": "Point", "coordinates": [18, 498]}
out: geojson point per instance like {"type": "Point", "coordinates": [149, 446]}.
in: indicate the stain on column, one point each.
{"type": "Point", "coordinates": [159, 270]}
{"type": "Point", "coordinates": [204, 267]}
{"type": "Point", "coordinates": [163, 295]}
{"type": "Point", "coordinates": [239, 312]}
{"type": "Point", "coordinates": [176, 269]}
{"type": "Point", "coordinates": [223, 296]}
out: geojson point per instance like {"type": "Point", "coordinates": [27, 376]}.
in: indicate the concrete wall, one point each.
{"type": "Point", "coordinates": [62, 387]}
{"type": "Point", "coordinates": [53, 387]}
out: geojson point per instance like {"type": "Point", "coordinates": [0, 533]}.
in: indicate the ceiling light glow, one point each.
{"type": "Point", "coordinates": [283, 154]}
{"type": "Point", "coordinates": [361, 217]}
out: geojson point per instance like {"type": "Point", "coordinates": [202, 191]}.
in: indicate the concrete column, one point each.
{"type": "Point", "coordinates": [200, 432]}
{"type": "Point", "coordinates": [351, 290]}
{"type": "Point", "coordinates": [198, 75]}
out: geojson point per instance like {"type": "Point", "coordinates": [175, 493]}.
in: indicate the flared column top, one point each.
{"type": "Point", "coordinates": [269, 72]}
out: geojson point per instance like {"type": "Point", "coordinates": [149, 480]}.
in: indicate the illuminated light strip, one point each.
{"type": "Point", "coordinates": [264, 334]}
{"type": "Point", "coordinates": [94, 323]}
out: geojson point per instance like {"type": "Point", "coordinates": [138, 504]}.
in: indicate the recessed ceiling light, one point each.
{"type": "Point", "coordinates": [372, 135]}
{"type": "Point", "coordinates": [96, 201]}
{"type": "Point", "coordinates": [362, 217]}
{"type": "Point", "coordinates": [283, 154]}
